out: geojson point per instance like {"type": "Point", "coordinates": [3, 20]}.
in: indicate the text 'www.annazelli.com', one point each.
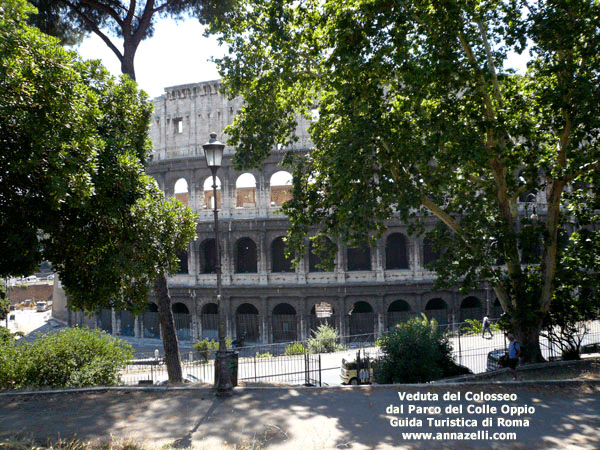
{"type": "Point", "coordinates": [481, 435]}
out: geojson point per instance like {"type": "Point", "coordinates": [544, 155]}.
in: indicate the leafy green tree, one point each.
{"type": "Point", "coordinates": [73, 188]}
{"type": "Point", "coordinates": [4, 301]}
{"type": "Point", "coordinates": [415, 352]}
{"type": "Point", "coordinates": [415, 112]}
{"type": "Point", "coordinates": [131, 21]}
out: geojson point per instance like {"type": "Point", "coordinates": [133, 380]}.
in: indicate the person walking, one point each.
{"type": "Point", "coordinates": [486, 327]}
{"type": "Point", "coordinates": [514, 353]}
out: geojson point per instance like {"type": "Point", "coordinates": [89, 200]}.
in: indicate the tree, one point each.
{"type": "Point", "coordinates": [130, 21]}
{"type": "Point", "coordinates": [73, 188]}
{"type": "Point", "coordinates": [416, 113]}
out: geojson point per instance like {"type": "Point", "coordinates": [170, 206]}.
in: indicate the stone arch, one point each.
{"type": "Point", "coordinates": [359, 258]}
{"type": "Point", "coordinates": [281, 187]}
{"type": "Point", "coordinates": [437, 309]}
{"type": "Point", "coordinates": [181, 191]}
{"type": "Point", "coordinates": [284, 323]}
{"type": "Point", "coordinates": [396, 252]}
{"type": "Point", "coordinates": [471, 308]}
{"type": "Point", "coordinates": [183, 321]}
{"type": "Point", "coordinates": [209, 319]}
{"type": "Point", "coordinates": [208, 256]}
{"type": "Point", "coordinates": [322, 313]}
{"type": "Point", "coordinates": [151, 323]}
{"type": "Point", "coordinates": [362, 321]}
{"type": "Point", "coordinates": [208, 194]}
{"type": "Point", "coordinates": [245, 191]}
{"type": "Point", "coordinates": [398, 311]}
{"type": "Point", "coordinates": [247, 322]}
{"type": "Point", "coordinates": [246, 257]}
{"type": "Point", "coordinates": [279, 262]}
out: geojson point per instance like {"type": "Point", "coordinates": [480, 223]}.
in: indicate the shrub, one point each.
{"type": "Point", "coordinates": [324, 340]}
{"type": "Point", "coordinates": [297, 348]}
{"type": "Point", "coordinates": [73, 357]}
{"type": "Point", "coordinates": [206, 346]}
{"type": "Point", "coordinates": [415, 352]}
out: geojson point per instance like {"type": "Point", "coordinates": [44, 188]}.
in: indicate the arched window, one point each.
{"type": "Point", "coordinates": [398, 311]}
{"type": "Point", "coordinates": [209, 318]}
{"type": "Point", "coordinates": [208, 256]}
{"type": "Point", "coordinates": [396, 252]}
{"type": "Point", "coordinates": [245, 191]}
{"type": "Point", "coordinates": [151, 323]}
{"type": "Point", "coordinates": [284, 323]}
{"type": "Point", "coordinates": [471, 308]}
{"type": "Point", "coordinates": [362, 321]}
{"type": "Point", "coordinates": [183, 321]}
{"type": "Point", "coordinates": [246, 322]}
{"type": "Point", "coordinates": [279, 262]}
{"type": "Point", "coordinates": [209, 201]}
{"type": "Point", "coordinates": [281, 187]}
{"type": "Point", "coordinates": [359, 259]}
{"type": "Point", "coordinates": [181, 191]}
{"type": "Point", "coordinates": [246, 258]}
{"type": "Point", "coordinates": [437, 309]}
{"type": "Point", "coordinates": [322, 314]}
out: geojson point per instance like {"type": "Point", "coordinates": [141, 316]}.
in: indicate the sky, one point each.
{"type": "Point", "coordinates": [176, 54]}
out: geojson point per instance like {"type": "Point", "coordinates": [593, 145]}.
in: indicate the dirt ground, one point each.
{"type": "Point", "coordinates": [541, 414]}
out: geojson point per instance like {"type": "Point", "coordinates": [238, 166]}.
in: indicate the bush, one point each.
{"type": "Point", "coordinates": [324, 340]}
{"type": "Point", "coordinates": [206, 346]}
{"type": "Point", "coordinates": [297, 348]}
{"type": "Point", "coordinates": [73, 357]}
{"type": "Point", "coordinates": [415, 352]}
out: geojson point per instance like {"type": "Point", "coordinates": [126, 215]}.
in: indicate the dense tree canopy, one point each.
{"type": "Point", "coordinates": [72, 185]}
{"type": "Point", "coordinates": [419, 114]}
{"type": "Point", "coordinates": [131, 21]}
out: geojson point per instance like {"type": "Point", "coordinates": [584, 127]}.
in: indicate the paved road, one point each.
{"type": "Point", "coordinates": [541, 416]}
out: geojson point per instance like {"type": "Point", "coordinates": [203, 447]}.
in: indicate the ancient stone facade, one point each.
{"type": "Point", "coordinates": [265, 298]}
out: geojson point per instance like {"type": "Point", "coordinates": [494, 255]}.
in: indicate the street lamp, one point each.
{"type": "Point", "coordinates": [213, 150]}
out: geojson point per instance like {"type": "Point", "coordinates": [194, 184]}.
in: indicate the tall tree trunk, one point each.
{"type": "Point", "coordinates": [167, 324]}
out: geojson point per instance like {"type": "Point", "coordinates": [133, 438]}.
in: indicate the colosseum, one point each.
{"type": "Point", "coordinates": [266, 299]}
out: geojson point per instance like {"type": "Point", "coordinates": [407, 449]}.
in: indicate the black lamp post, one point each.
{"type": "Point", "coordinates": [213, 151]}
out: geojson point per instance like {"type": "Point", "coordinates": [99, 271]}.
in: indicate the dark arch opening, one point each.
{"type": "Point", "coordinates": [246, 257]}
{"type": "Point", "coordinates": [396, 252]}
{"type": "Point", "coordinates": [208, 256]}
{"type": "Point", "coordinates": [209, 319]}
{"type": "Point", "coordinates": [362, 322]}
{"type": "Point", "coordinates": [279, 262]}
{"type": "Point", "coordinates": [398, 312]}
{"type": "Point", "coordinates": [246, 322]}
{"type": "Point", "coordinates": [284, 323]}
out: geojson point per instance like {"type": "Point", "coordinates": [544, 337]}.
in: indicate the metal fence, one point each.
{"type": "Point", "coordinates": [269, 362]}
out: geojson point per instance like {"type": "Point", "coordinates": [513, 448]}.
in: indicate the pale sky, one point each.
{"type": "Point", "coordinates": [176, 54]}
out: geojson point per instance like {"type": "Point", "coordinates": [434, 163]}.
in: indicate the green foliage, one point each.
{"type": "Point", "coordinates": [324, 340]}
{"type": "Point", "coordinates": [4, 301]}
{"type": "Point", "coordinates": [296, 348]}
{"type": "Point", "coordinates": [72, 357]}
{"type": "Point", "coordinates": [476, 327]}
{"type": "Point", "coordinates": [414, 352]}
{"type": "Point", "coordinates": [263, 355]}
{"type": "Point", "coordinates": [420, 116]}
{"type": "Point", "coordinates": [206, 346]}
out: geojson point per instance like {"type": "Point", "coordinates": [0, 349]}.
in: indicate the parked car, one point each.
{"type": "Point", "coordinates": [590, 350]}
{"type": "Point", "coordinates": [187, 378]}
{"type": "Point", "coordinates": [493, 357]}
{"type": "Point", "coordinates": [351, 374]}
